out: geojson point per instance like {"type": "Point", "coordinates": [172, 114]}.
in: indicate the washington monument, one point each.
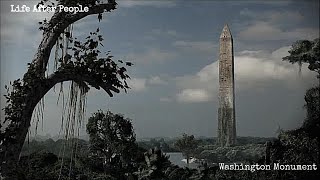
{"type": "Point", "coordinates": [226, 113]}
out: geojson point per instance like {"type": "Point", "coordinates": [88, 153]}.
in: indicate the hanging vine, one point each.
{"type": "Point", "coordinates": [84, 67]}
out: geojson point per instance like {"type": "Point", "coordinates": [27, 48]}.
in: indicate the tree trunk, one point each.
{"type": "Point", "coordinates": [12, 139]}
{"type": "Point", "coordinates": [188, 157]}
{"type": "Point", "coordinates": [10, 149]}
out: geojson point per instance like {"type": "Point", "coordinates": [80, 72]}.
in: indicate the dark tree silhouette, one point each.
{"type": "Point", "coordinates": [187, 145]}
{"type": "Point", "coordinates": [112, 137]}
{"type": "Point", "coordinates": [305, 51]}
{"type": "Point", "coordinates": [84, 68]}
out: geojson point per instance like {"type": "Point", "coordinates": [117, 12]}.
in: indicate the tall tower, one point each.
{"type": "Point", "coordinates": [226, 113]}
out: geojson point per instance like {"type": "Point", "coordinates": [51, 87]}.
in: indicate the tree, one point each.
{"type": "Point", "coordinates": [305, 51]}
{"type": "Point", "coordinates": [187, 145]}
{"type": "Point", "coordinates": [112, 137]}
{"type": "Point", "coordinates": [312, 99]}
{"type": "Point", "coordinates": [84, 68]}
{"type": "Point", "coordinates": [305, 138]}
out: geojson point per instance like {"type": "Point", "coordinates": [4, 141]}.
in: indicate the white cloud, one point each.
{"type": "Point", "coordinates": [200, 46]}
{"type": "Point", "coordinates": [273, 16]}
{"type": "Point", "coordinates": [137, 84]}
{"type": "Point", "coordinates": [156, 80]}
{"type": "Point", "coordinates": [285, 16]}
{"type": "Point", "coordinates": [151, 55]}
{"type": "Point", "coordinates": [142, 84]}
{"type": "Point", "coordinates": [253, 71]}
{"type": "Point", "coordinates": [281, 52]}
{"type": "Point", "coordinates": [258, 53]}
{"type": "Point", "coordinates": [193, 95]}
{"type": "Point", "coordinates": [158, 4]}
{"type": "Point", "coordinates": [268, 3]}
{"type": "Point", "coordinates": [275, 25]}
{"type": "Point", "coordinates": [265, 31]}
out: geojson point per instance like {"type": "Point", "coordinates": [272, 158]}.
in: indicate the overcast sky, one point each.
{"type": "Point", "coordinates": [174, 46]}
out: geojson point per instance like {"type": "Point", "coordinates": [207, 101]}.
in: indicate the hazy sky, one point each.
{"type": "Point", "coordinates": [174, 46]}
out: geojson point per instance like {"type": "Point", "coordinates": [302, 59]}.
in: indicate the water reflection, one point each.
{"type": "Point", "coordinates": [178, 159]}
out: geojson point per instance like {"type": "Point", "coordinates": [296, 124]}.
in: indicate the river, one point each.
{"type": "Point", "coordinates": [177, 157]}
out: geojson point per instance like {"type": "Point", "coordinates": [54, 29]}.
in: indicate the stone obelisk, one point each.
{"type": "Point", "coordinates": [226, 113]}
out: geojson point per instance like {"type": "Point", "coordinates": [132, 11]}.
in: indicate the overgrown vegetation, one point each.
{"type": "Point", "coordinates": [84, 67]}
{"type": "Point", "coordinates": [112, 152]}
{"type": "Point", "coordinates": [91, 164]}
{"type": "Point", "coordinates": [112, 140]}
{"type": "Point", "coordinates": [187, 145]}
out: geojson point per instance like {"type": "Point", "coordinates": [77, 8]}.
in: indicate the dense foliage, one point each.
{"type": "Point", "coordinates": [312, 105]}
{"type": "Point", "coordinates": [187, 145]}
{"type": "Point", "coordinates": [112, 138]}
{"type": "Point", "coordinates": [112, 152]}
{"type": "Point", "coordinates": [85, 67]}
{"type": "Point", "coordinates": [154, 165]}
{"type": "Point", "coordinates": [305, 51]}
{"type": "Point", "coordinates": [164, 145]}
{"type": "Point", "coordinates": [246, 153]}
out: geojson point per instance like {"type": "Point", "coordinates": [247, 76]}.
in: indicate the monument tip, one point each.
{"type": "Point", "coordinates": [225, 32]}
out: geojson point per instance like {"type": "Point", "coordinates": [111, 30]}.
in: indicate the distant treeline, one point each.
{"type": "Point", "coordinates": [62, 147]}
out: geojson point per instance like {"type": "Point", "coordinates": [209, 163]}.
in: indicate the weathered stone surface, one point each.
{"type": "Point", "coordinates": [226, 112]}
